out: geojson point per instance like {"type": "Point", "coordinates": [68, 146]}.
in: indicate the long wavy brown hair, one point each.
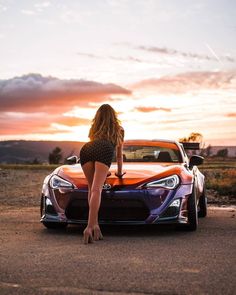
{"type": "Point", "coordinates": [106, 125]}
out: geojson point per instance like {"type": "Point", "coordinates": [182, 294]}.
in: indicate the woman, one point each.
{"type": "Point", "coordinates": [105, 135]}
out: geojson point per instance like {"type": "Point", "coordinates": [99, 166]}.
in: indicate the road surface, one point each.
{"type": "Point", "coordinates": [133, 260]}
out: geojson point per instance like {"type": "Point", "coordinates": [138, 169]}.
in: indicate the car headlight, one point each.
{"type": "Point", "coordinates": [169, 182]}
{"type": "Point", "coordinates": [58, 182]}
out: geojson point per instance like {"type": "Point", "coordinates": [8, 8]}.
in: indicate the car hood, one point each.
{"type": "Point", "coordinates": [136, 173]}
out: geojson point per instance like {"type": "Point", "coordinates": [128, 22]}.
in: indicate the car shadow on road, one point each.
{"type": "Point", "coordinates": [123, 230]}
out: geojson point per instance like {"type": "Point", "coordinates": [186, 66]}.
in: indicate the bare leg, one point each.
{"type": "Point", "coordinates": [89, 169]}
{"type": "Point", "coordinates": [100, 175]}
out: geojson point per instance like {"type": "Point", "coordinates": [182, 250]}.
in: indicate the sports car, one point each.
{"type": "Point", "coordinates": [162, 185]}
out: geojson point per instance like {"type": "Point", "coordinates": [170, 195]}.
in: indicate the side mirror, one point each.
{"type": "Point", "coordinates": [72, 160]}
{"type": "Point", "coordinates": [195, 161]}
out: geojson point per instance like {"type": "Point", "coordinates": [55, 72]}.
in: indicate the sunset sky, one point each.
{"type": "Point", "coordinates": [167, 67]}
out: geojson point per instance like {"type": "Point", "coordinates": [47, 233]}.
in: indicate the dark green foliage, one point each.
{"type": "Point", "coordinates": [55, 156]}
{"type": "Point", "coordinates": [35, 161]}
{"type": "Point", "coordinates": [208, 150]}
{"type": "Point", "coordinates": [222, 153]}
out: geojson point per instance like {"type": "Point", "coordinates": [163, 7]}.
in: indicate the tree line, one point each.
{"type": "Point", "coordinates": [204, 151]}
{"type": "Point", "coordinates": [56, 155]}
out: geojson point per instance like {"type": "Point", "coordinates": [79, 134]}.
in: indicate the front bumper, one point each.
{"type": "Point", "coordinates": [133, 206]}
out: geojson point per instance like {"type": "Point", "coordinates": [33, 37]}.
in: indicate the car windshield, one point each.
{"type": "Point", "coordinates": [145, 153]}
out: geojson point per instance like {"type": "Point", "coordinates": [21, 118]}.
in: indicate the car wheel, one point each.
{"type": "Point", "coordinates": [202, 204]}
{"type": "Point", "coordinates": [192, 211]}
{"type": "Point", "coordinates": [54, 225]}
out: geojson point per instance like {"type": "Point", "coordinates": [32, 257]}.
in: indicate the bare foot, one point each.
{"type": "Point", "coordinates": [88, 235]}
{"type": "Point", "coordinates": [97, 234]}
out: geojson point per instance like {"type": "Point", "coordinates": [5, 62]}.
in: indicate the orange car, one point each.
{"type": "Point", "coordinates": [161, 185]}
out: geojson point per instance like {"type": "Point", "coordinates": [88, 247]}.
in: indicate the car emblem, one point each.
{"type": "Point", "coordinates": [106, 186]}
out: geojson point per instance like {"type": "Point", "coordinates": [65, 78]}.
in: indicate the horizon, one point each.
{"type": "Point", "coordinates": [168, 69]}
{"type": "Point", "coordinates": [42, 140]}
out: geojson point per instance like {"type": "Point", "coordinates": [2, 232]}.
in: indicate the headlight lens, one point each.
{"type": "Point", "coordinates": [169, 182]}
{"type": "Point", "coordinates": [58, 182]}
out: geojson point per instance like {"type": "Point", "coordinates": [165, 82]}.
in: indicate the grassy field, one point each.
{"type": "Point", "coordinates": [214, 163]}
{"type": "Point", "coordinates": [44, 167]}
{"type": "Point", "coordinates": [20, 185]}
{"type": "Point", "coordinates": [211, 163]}
{"type": "Point", "coordinates": [220, 176]}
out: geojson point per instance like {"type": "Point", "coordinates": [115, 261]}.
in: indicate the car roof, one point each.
{"type": "Point", "coordinates": [146, 141]}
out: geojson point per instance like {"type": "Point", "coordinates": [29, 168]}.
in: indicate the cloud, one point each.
{"type": "Point", "coordinates": [42, 5]}
{"type": "Point", "coordinates": [72, 121]}
{"type": "Point", "coordinates": [75, 16]}
{"type": "Point", "coordinates": [3, 8]}
{"type": "Point", "coordinates": [22, 123]}
{"type": "Point", "coordinates": [174, 121]}
{"type": "Point", "coordinates": [128, 58]}
{"type": "Point", "coordinates": [36, 104]}
{"type": "Point", "coordinates": [117, 58]}
{"type": "Point", "coordinates": [36, 9]}
{"type": "Point", "coordinates": [27, 12]}
{"type": "Point", "coordinates": [231, 115]}
{"type": "Point", "coordinates": [90, 55]}
{"type": "Point", "coordinates": [189, 82]}
{"type": "Point", "coordinates": [169, 51]}
{"type": "Point", "coordinates": [34, 93]}
{"type": "Point", "coordinates": [152, 109]}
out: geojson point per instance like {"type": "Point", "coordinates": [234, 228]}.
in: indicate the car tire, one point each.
{"type": "Point", "coordinates": [192, 211]}
{"type": "Point", "coordinates": [202, 205]}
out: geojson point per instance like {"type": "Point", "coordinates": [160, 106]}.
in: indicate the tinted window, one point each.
{"type": "Point", "coordinates": [138, 153]}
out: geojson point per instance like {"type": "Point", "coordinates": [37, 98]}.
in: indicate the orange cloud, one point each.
{"type": "Point", "coordinates": [11, 124]}
{"type": "Point", "coordinates": [231, 115]}
{"type": "Point", "coordinates": [23, 123]}
{"type": "Point", "coordinates": [32, 103]}
{"type": "Point", "coordinates": [72, 121]}
{"type": "Point", "coordinates": [152, 109]}
{"type": "Point", "coordinates": [34, 93]}
{"type": "Point", "coordinates": [189, 81]}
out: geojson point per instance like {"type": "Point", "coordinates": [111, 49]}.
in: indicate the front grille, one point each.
{"type": "Point", "coordinates": [112, 209]}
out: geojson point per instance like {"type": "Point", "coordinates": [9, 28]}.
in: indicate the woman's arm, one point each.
{"type": "Point", "coordinates": [119, 159]}
{"type": "Point", "coordinates": [119, 154]}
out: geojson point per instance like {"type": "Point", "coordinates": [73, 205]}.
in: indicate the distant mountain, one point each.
{"type": "Point", "coordinates": [21, 151]}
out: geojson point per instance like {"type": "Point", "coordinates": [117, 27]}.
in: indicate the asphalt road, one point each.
{"type": "Point", "coordinates": [134, 260]}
